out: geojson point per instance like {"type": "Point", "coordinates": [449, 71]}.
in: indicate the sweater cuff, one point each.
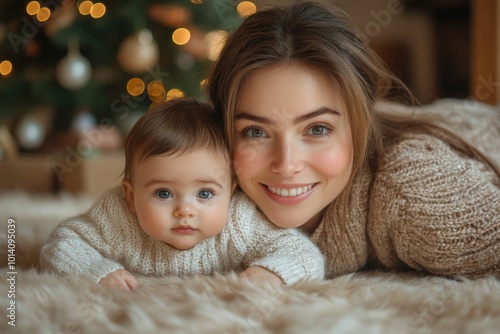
{"type": "Point", "coordinates": [101, 269]}
{"type": "Point", "coordinates": [290, 270]}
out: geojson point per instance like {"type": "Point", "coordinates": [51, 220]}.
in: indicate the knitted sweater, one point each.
{"type": "Point", "coordinates": [109, 237]}
{"type": "Point", "coordinates": [430, 208]}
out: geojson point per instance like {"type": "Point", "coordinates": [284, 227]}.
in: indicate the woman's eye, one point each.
{"type": "Point", "coordinates": [163, 194]}
{"type": "Point", "coordinates": [318, 130]}
{"type": "Point", "coordinates": [205, 194]}
{"type": "Point", "coordinates": [253, 133]}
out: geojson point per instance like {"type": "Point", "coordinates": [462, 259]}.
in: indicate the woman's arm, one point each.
{"type": "Point", "coordinates": [434, 210]}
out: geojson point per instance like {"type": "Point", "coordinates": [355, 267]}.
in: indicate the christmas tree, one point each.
{"type": "Point", "coordinates": [68, 63]}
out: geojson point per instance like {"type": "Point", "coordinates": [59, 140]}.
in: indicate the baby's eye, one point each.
{"type": "Point", "coordinates": [205, 194]}
{"type": "Point", "coordinates": [164, 194]}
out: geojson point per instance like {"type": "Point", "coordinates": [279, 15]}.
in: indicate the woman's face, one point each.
{"type": "Point", "coordinates": [293, 150]}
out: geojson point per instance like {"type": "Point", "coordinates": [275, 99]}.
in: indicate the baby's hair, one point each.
{"type": "Point", "coordinates": [174, 127]}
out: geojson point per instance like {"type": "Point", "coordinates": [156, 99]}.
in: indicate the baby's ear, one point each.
{"type": "Point", "coordinates": [128, 191]}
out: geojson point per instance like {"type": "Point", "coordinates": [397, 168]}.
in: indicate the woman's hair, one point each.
{"type": "Point", "coordinates": [174, 127]}
{"type": "Point", "coordinates": [309, 34]}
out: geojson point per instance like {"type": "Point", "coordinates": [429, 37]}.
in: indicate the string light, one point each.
{"type": "Point", "coordinates": [156, 91]}
{"type": "Point", "coordinates": [135, 86]}
{"type": "Point", "coordinates": [98, 10]}
{"type": "Point", "coordinates": [181, 36]}
{"type": "Point", "coordinates": [85, 7]}
{"type": "Point", "coordinates": [215, 41]}
{"type": "Point", "coordinates": [43, 14]}
{"type": "Point", "coordinates": [5, 67]}
{"type": "Point", "coordinates": [33, 7]}
{"type": "Point", "coordinates": [174, 93]}
{"type": "Point", "coordinates": [246, 8]}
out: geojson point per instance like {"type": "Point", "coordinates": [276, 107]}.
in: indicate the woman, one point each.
{"type": "Point", "coordinates": [314, 147]}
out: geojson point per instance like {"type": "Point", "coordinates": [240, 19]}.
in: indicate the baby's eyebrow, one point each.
{"type": "Point", "coordinates": [210, 181]}
{"type": "Point", "coordinates": [299, 119]}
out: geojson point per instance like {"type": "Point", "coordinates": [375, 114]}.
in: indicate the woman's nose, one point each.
{"type": "Point", "coordinates": [287, 158]}
{"type": "Point", "coordinates": [183, 209]}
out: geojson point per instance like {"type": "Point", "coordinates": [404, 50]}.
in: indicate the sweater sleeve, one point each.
{"type": "Point", "coordinates": [84, 245]}
{"type": "Point", "coordinates": [434, 210]}
{"type": "Point", "coordinates": [287, 252]}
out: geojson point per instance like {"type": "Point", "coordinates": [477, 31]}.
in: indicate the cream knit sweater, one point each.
{"type": "Point", "coordinates": [108, 238]}
{"type": "Point", "coordinates": [431, 209]}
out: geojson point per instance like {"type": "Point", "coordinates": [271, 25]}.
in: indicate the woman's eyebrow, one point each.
{"type": "Point", "coordinates": [299, 119]}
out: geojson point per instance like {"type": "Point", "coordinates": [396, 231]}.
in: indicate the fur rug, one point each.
{"type": "Point", "coordinates": [368, 302]}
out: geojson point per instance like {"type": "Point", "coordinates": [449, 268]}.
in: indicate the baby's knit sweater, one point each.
{"type": "Point", "coordinates": [109, 237]}
{"type": "Point", "coordinates": [430, 208]}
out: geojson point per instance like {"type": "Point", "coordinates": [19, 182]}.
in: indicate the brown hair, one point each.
{"type": "Point", "coordinates": [175, 126]}
{"type": "Point", "coordinates": [309, 34]}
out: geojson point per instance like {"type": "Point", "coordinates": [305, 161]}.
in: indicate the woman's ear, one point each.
{"type": "Point", "coordinates": [128, 191]}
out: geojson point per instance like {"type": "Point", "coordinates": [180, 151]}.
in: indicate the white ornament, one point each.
{"type": "Point", "coordinates": [83, 121]}
{"type": "Point", "coordinates": [30, 133]}
{"type": "Point", "coordinates": [139, 52]}
{"type": "Point", "coordinates": [74, 70]}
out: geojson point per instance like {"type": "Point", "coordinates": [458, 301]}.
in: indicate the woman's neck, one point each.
{"type": "Point", "coordinates": [312, 224]}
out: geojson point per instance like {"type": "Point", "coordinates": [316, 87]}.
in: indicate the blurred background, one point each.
{"type": "Point", "coordinates": [75, 75]}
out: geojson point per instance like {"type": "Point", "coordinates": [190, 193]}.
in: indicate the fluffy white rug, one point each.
{"type": "Point", "coordinates": [370, 302]}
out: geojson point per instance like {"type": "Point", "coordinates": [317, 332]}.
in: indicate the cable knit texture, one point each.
{"type": "Point", "coordinates": [109, 237]}
{"type": "Point", "coordinates": [430, 208]}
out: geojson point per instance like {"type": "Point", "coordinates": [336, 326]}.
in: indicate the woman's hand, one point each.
{"type": "Point", "coordinates": [120, 279]}
{"type": "Point", "coordinates": [256, 273]}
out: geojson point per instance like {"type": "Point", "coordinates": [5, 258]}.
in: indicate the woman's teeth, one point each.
{"type": "Point", "coordinates": [291, 191]}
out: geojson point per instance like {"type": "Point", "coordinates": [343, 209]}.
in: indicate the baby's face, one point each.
{"type": "Point", "coordinates": [181, 199]}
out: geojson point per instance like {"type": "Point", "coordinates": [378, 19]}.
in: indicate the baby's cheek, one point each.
{"type": "Point", "coordinates": [217, 223]}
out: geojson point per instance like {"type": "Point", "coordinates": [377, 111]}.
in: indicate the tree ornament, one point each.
{"type": "Point", "coordinates": [84, 120]}
{"type": "Point", "coordinates": [139, 52]}
{"type": "Point", "coordinates": [74, 70]}
{"type": "Point", "coordinates": [30, 133]}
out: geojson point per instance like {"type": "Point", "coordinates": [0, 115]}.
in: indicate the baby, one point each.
{"type": "Point", "coordinates": [177, 213]}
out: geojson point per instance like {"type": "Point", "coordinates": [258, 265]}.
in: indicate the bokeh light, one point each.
{"type": "Point", "coordinates": [85, 7]}
{"type": "Point", "coordinates": [135, 86]}
{"type": "Point", "coordinates": [215, 41]}
{"type": "Point", "coordinates": [43, 14]}
{"type": "Point", "coordinates": [174, 93]}
{"type": "Point", "coordinates": [98, 10]}
{"type": "Point", "coordinates": [181, 36]}
{"type": "Point", "coordinates": [156, 91]}
{"type": "Point", "coordinates": [33, 7]}
{"type": "Point", "coordinates": [246, 8]}
{"type": "Point", "coordinates": [5, 67]}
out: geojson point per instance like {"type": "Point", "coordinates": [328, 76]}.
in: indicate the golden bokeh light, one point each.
{"type": "Point", "coordinates": [5, 67]}
{"type": "Point", "coordinates": [215, 41]}
{"type": "Point", "coordinates": [203, 83]}
{"type": "Point", "coordinates": [33, 7]}
{"type": "Point", "coordinates": [246, 8]}
{"type": "Point", "coordinates": [174, 93]}
{"type": "Point", "coordinates": [156, 91]}
{"type": "Point", "coordinates": [85, 7]}
{"type": "Point", "coordinates": [98, 10]}
{"type": "Point", "coordinates": [197, 2]}
{"type": "Point", "coordinates": [135, 86]}
{"type": "Point", "coordinates": [43, 14]}
{"type": "Point", "coordinates": [181, 36]}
